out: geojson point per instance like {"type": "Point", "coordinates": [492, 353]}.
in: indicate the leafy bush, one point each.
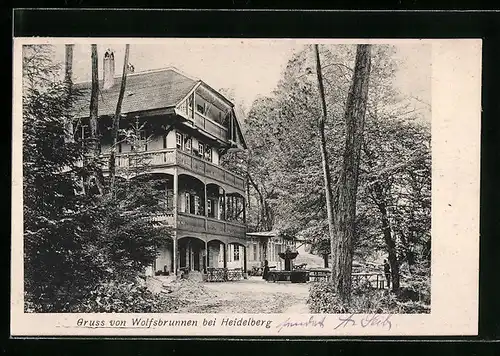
{"type": "Point", "coordinates": [76, 241]}
{"type": "Point", "coordinates": [322, 299]}
{"type": "Point", "coordinates": [417, 286]}
{"type": "Point", "coordinates": [364, 299]}
{"type": "Point", "coordinates": [126, 298]}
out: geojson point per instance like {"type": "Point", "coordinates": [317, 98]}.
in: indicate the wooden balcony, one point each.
{"type": "Point", "coordinates": [172, 157]}
{"type": "Point", "coordinates": [205, 123]}
{"type": "Point", "coordinates": [198, 223]}
{"type": "Point", "coordinates": [210, 126]}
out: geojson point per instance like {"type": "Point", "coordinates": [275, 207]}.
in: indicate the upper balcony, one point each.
{"type": "Point", "coordinates": [206, 124]}
{"type": "Point", "coordinates": [172, 157]}
{"type": "Point", "coordinates": [203, 224]}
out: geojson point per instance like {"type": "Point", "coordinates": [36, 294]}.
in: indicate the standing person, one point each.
{"type": "Point", "coordinates": [387, 272]}
{"type": "Point", "coordinates": [265, 273]}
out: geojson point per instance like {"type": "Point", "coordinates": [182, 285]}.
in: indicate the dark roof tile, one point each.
{"type": "Point", "coordinates": [144, 91]}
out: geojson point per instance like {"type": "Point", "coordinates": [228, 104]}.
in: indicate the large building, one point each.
{"type": "Point", "coordinates": [189, 126]}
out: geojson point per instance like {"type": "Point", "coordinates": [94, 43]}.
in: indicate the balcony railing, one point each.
{"type": "Point", "coordinates": [210, 126]}
{"type": "Point", "coordinates": [206, 124]}
{"type": "Point", "coordinates": [171, 157]}
{"type": "Point", "coordinates": [197, 223]}
{"type": "Point", "coordinates": [165, 218]}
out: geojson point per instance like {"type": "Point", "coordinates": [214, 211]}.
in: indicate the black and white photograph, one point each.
{"type": "Point", "coordinates": [229, 177]}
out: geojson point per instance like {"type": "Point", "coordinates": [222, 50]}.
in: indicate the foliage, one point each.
{"type": "Point", "coordinates": [76, 241]}
{"type": "Point", "coordinates": [125, 297]}
{"type": "Point", "coordinates": [322, 299]}
{"type": "Point", "coordinates": [283, 162]}
{"type": "Point", "coordinates": [364, 300]}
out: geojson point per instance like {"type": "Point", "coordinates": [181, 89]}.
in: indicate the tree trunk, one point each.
{"type": "Point", "coordinates": [68, 70]}
{"type": "Point", "coordinates": [345, 207]}
{"type": "Point", "coordinates": [94, 98]}
{"type": "Point", "coordinates": [324, 158]}
{"type": "Point", "coordinates": [264, 207]}
{"type": "Point", "coordinates": [68, 80]}
{"type": "Point", "coordinates": [93, 147]}
{"type": "Point", "coordinates": [116, 121]}
{"type": "Point", "coordinates": [325, 260]}
{"type": "Point", "coordinates": [388, 239]}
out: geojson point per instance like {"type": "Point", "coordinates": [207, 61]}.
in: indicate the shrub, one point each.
{"type": "Point", "coordinates": [126, 298]}
{"type": "Point", "coordinates": [322, 299]}
{"type": "Point", "coordinates": [364, 299]}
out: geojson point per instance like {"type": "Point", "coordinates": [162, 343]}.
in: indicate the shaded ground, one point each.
{"type": "Point", "coordinates": [253, 295]}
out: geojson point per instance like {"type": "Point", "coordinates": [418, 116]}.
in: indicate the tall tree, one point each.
{"type": "Point", "coordinates": [116, 120]}
{"type": "Point", "coordinates": [68, 80]}
{"type": "Point", "coordinates": [93, 166]}
{"type": "Point", "coordinates": [94, 100]}
{"type": "Point", "coordinates": [324, 157]}
{"type": "Point", "coordinates": [75, 243]}
{"type": "Point", "coordinates": [347, 186]}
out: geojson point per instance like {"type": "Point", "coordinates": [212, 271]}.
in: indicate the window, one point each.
{"type": "Point", "coordinates": [197, 205]}
{"type": "Point", "coordinates": [254, 252]}
{"type": "Point", "coordinates": [221, 253]}
{"type": "Point", "coordinates": [188, 203]}
{"type": "Point", "coordinates": [120, 148]}
{"type": "Point", "coordinates": [178, 140]}
{"type": "Point", "coordinates": [209, 208]}
{"type": "Point", "coordinates": [208, 154]}
{"type": "Point", "coordinates": [236, 253]}
{"type": "Point", "coordinates": [169, 197]}
{"type": "Point", "coordinates": [164, 141]}
{"type": "Point", "coordinates": [187, 143]}
{"type": "Point", "coordinates": [143, 138]}
{"type": "Point", "coordinates": [82, 134]}
{"type": "Point", "coordinates": [200, 149]}
{"type": "Point", "coordinates": [200, 108]}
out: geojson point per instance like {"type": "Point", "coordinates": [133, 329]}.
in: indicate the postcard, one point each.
{"type": "Point", "coordinates": [245, 187]}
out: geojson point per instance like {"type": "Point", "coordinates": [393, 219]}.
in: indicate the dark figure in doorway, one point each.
{"type": "Point", "coordinates": [265, 273]}
{"type": "Point", "coordinates": [387, 272]}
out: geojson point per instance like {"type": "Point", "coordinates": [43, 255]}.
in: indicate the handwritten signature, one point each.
{"type": "Point", "coordinates": [311, 322]}
{"type": "Point", "coordinates": [369, 320]}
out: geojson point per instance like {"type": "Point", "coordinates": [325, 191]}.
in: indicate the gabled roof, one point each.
{"type": "Point", "coordinates": [144, 91]}
{"type": "Point", "coordinates": [149, 90]}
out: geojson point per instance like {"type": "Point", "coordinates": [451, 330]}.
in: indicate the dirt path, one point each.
{"type": "Point", "coordinates": [253, 295]}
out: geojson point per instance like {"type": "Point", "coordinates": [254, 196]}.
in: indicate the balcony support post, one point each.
{"type": "Point", "coordinates": [224, 213]}
{"type": "Point", "coordinates": [206, 204]}
{"type": "Point", "coordinates": [194, 106]}
{"type": "Point", "coordinates": [174, 237]}
{"type": "Point", "coordinates": [244, 212]}
{"type": "Point", "coordinates": [205, 268]}
{"type": "Point", "coordinates": [245, 259]}
{"type": "Point", "coordinates": [174, 251]}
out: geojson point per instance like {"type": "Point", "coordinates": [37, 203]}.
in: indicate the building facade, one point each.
{"type": "Point", "coordinates": [264, 246]}
{"type": "Point", "coordinates": [185, 128]}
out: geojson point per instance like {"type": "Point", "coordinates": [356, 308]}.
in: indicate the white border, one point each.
{"type": "Point", "coordinates": [456, 110]}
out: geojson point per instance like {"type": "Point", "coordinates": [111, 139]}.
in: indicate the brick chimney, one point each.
{"type": "Point", "coordinates": [109, 69]}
